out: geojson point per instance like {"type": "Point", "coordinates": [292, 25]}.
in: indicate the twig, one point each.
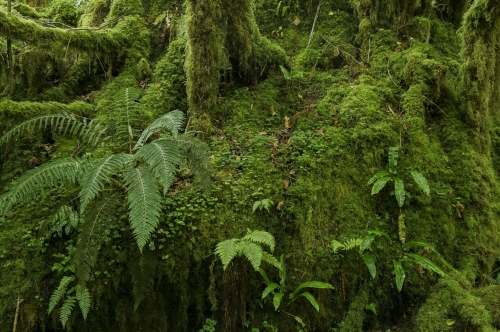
{"type": "Point", "coordinates": [314, 24]}
{"type": "Point", "coordinates": [433, 103]}
{"type": "Point", "coordinates": [67, 47]}
{"type": "Point", "coordinates": [17, 312]}
{"type": "Point", "coordinates": [389, 72]}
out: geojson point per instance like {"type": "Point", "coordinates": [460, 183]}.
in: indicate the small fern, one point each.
{"type": "Point", "coordinates": [250, 247]}
{"type": "Point", "coordinates": [64, 220]}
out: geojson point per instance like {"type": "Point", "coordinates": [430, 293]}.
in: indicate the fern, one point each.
{"type": "Point", "coordinates": [260, 237]}
{"type": "Point", "coordinates": [67, 309]}
{"type": "Point", "coordinates": [144, 202]}
{"type": "Point", "coordinates": [84, 300]}
{"type": "Point", "coordinates": [129, 118]}
{"type": "Point", "coordinates": [253, 252]}
{"type": "Point", "coordinates": [47, 175]}
{"type": "Point", "coordinates": [59, 293]}
{"type": "Point", "coordinates": [163, 157]}
{"type": "Point", "coordinates": [91, 237]}
{"type": "Point", "coordinates": [195, 157]}
{"type": "Point", "coordinates": [248, 246]}
{"type": "Point", "coordinates": [94, 180]}
{"type": "Point", "coordinates": [172, 121]}
{"type": "Point", "coordinates": [143, 275]}
{"type": "Point", "coordinates": [61, 123]}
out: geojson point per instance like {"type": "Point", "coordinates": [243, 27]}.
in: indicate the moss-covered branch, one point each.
{"type": "Point", "coordinates": [480, 78]}
{"type": "Point", "coordinates": [30, 32]}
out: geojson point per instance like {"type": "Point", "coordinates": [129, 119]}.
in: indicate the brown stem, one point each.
{"type": "Point", "coordinates": [9, 57]}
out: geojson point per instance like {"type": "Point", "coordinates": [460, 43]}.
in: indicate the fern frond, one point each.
{"type": "Point", "coordinates": [172, 121]}
{"type": "Point", "coordinates": [92, 236]}
{"type": "Point", "coordinates": [196, 157]}
{"type": "Point", "coordinates": [253, 252]}
{"type": "Point", "coordinates": [59, 293]}
{"type": "Point", "coordinates": [227, 251]}
{"type": "Point", "coordinates": [129, 118]}
{"type": "Point", "coordinates": [352, 243]}
{"type": "Point", "coordinates": [61, 123]}
{"type": "Point", "coordinates": [47, 175]}
{"type": "Point", "coordinates": [98, 176]}
{"type": "Point", "coordinates": [144, 201]}
{"type": "Point", "coordinates": [67, 309]}
{"type": "Point", "coordinates": [260, 237]}
{"type": "Point", "coordinates": [163, 157]}
{"type": "Point", "coordinates": [270, 259]}
{"type": "Point", "coordinates": [84, 300]}
{"type": "Point", "coordinates": [143, 275]}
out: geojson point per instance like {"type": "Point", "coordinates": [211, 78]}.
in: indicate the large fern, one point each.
{"type": "Point", "coordinates": [97, 221]}
{"type": "Point", "coordinates": [61, 123]}
{"type": "Point", "coordinates": [60, 292]}
{"type": "Point", "coordinates": [195, 156]}
{"type": "Point", "coordinates": [84, 299]}
{"type": "Point", "coordinates": [98, 176]}
{"type": "Point", "coordinates": [47, 175]}
{"type": "Point", "coordinates": [128, 110]}
{"type": "Point", "coordinates": [144, 201]}
{"type": "Point", "coordinates": [163, 157]}
{"type": "Point", "coordinates": [67, 309]}
{"type": "Point", "coordinates": [172, 121]}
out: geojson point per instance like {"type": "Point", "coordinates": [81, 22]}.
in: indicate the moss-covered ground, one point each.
{"type": "Point", "coordinates": [377, 74]}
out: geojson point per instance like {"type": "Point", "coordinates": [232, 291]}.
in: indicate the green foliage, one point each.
{"type": "Point", "coordinates": [209, 325]}
{"type": "Point", "coordinates": [265, 203]}
{"type": "Point", "coordinates": [380, 179]}
{"type": "Point", "coordinates": [248, 246]}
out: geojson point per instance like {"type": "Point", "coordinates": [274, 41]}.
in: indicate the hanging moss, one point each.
{"type": "Point", "coordinates": [480, 81]}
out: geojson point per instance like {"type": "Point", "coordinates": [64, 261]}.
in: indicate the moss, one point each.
{"type": "Point", "coordinates": [356, 314]}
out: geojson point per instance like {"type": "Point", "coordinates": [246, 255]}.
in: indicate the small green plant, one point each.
{"type": "Point", "coordinates": [380, 179]}
{"type": "Point", "coordinates": [290, 75]}
{"type": "Point", "coordinates": [262, 204]}
{"type": "Point", "coordinates": [278, 290]}
{"type": "Point", "coordinates": [248, 246]}
{"type": "Point", "coordinates": [408, 257]}
{"type": "Point", "coordinates": [209, 326]}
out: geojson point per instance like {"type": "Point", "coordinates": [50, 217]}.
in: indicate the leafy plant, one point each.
{"type": "Point", "coordinates": [262, 204]}
{"type": "Point", "coordinates": [408, 256]}
{"type": "Point", "coordinates": [209, 325]}
{"type": "Point", "coordinates": [380, 179]}
{"type": "Point", "coordinates": [293, 74]}
{"type": "Point", "coordinates": [248, 246]}
{"type": "Point", "coordinates": [278, 290]}
{"type": "Point", "coordinates": [148, 169]}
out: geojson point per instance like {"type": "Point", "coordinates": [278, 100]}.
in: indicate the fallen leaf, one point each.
{"type": "Point", "coordinates": [272, 110]}
{"type": "Point", "coordinates": [238, 158]}
{"type": "Point", "coordinates": [280, 205]}
{"type": "Point", "coordinates": [263, 133]}
{"type": "Point", "coordinates": [336, 122]}
{"type": "Point", "coordinates": [297, 21]}
{"type": "Point", "coordinates": [292, 172]}
{"type": "Point", "coordinates": [405, 126]}
{"type": "Point", "coordinates": [460, 208]}
{"type": "Point", "coordinates": [336, 52]}
{"type": "Point", "coordinates": [286, 183]}
{"type": "Point", "coordinates": [450, 322]}
{"type": "Point", "coordinates": [287, 122]}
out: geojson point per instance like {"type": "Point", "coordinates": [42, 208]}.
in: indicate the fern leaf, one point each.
{"type": "Point", "coordinates": [59, 293]}
{"type": "Point", "coordinates": [227, 251]}
{"type": "Point", "coordinates": [144, 202]}
{"type": "Point", "coordinates": [84, 300]}
{"type": "Point", "coordinates": [94, 180]}
{"type": "Point", "coordinates": [61, 123]}
{"type": "Point", "coordinates": [129, 118]}
{"type": "Point", "coordinates": [143, 275]}
{"type": "Point", "coordinates": [270, 259]}
{"type": "Point", "coordinates": [47, 175]}
{"type": "Point", "coordinates": [67, 309]}
{"type": "Point", "coordinates": [91, 237]}
{"type": "Point", "coordinates": [163, 157]}
{"type": "Point", "coordinates": [172, 121]}
{"type": "Point", "coordinates": [196, 157]}
{"type": "Point", "coordinates": [261, 237]}
{"type": "Point", "coordinates": [253, 252]}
